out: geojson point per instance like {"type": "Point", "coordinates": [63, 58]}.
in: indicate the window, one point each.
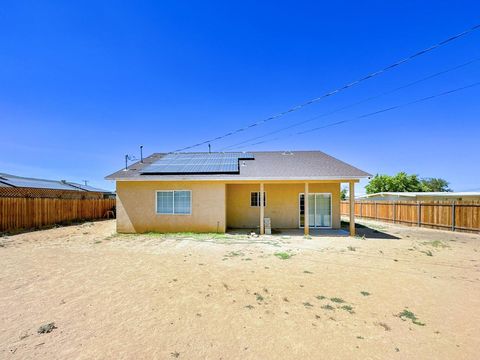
{"type": "Point", "coordinates": [177, 202]}
{"type": "Point", "coordinates": [255, 199]}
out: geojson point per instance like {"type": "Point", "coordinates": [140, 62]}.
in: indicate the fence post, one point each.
{"type": "Point", "coordinates": [394, 212]}
{"type": "Point", "coordinates": [419, 214]}
{"type": "Point", "coordinates": [361, 212]}
{"type": "Point", "coordinates": [375, 203]}
{"type": "Point", "coordinates": [453, 216]}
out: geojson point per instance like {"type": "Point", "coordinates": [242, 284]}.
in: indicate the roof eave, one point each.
{"type": "Point", "coordinates": [233, 178]}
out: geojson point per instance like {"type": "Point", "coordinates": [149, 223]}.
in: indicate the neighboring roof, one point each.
{"type": "Point", "coordinates": [25, 182]}
{"type": "Point", "coordinates": [416, 194]}
{"type": "Point", "coordinates": [266, 165]}
{"type": "Point", "coordinates": [88, 187]}
{"type": "Point", "coordinates": [19, 181]}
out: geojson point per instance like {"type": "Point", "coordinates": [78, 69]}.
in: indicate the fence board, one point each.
{"type": "Point", "coordinates": [456, 216]}
{"type": "Point", "coordinates": [27, 213]}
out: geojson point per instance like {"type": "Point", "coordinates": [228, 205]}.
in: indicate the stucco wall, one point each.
{"type": "Point", "coordinates": [282, 204]}
{"type": "Point", "coordinates": [136, 211]}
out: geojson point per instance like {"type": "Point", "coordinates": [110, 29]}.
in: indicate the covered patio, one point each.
{"type": "Point", "coordinates": [281, 207]}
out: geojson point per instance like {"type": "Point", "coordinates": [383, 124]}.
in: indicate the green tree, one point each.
{"type": "Point", "coordinates": [343, 194]}
{"type": "Point", "coordinates": [397, 183]}
{"type": "Point", "coordinates": [404, 182]}
{"type": "Point", "coordinates": [435, 184]}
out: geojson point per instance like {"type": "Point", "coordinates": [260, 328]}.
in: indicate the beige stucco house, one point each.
{"type": "Point", "coordinates": [213, 192]}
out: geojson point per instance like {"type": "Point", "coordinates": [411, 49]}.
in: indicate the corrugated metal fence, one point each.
{"type": "Point", "coordinates": [29, 213]}
{"type": "Point", "coordinates": [455, 216]}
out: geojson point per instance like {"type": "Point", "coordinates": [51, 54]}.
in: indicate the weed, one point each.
{"type": "Point", "coordinates": [407, 314]}
{"type": "Point", "coordinates": [250, 307]}
{"type": "Point", "coordinates": [327, 307]}
{"type": "Point", "coordinates": [365, 293]}
{"type": "Point", "coordinates": [283, 255]}
{"type": "Point", "coordinates": [285, 299]}
{"type": "Point", "coordinates": [175, 354]}
{"type": "Point", "coordinates": [195, 236]}
{"type": "Point", "coordinates": [337, 300]}
{"type": "Point", "coordinates": [47, 328]}
{"type": "Point", "coordinates": [234, 253]}
{"type": "Point", "coordinates": [351, 248]}
{"type": "Point", "coordinates": [360, 337]}
{"type": "Point", "coordinates": [320, 297]}
{"type": "Point", "coordinates": [348, 308]}
{"type": "Point", "coordinates": [428, 253]}
{"type": "Point", "coordinates": [307, 304]}
{"type": "Point", "coordinates": [98, 241]}
{"type": "Point", "coordinates": [259, 297]}
{"type": "Point", "coordinates": [436, 244]}
{"type": "Point", "coordinates": [307, 272]}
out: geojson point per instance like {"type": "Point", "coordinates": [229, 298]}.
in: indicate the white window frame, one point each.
{"type": "Point", "coordinates": [305, 213]}
{"type": "Point", "coordinates": [264, 199]}
{"type": "Point", "coordinates": [173, 205]}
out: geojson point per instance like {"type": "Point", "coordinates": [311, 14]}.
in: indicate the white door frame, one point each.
{"type": "Point", "coordinates": [305, 211]}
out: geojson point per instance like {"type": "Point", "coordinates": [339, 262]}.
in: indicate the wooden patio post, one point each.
{"type": "Point", "coordinates": [352, 208]}
{"type": "Point", "coordinates": [262, 210]}
{"type": "Point", "coordinates": [306, 225]}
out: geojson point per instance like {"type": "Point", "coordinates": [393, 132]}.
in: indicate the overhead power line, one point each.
{"type": "Point", "coordinates": [338, 90]}
{"type": "Point", "coordinates": [371, 113]}
{"type": "Point", "coordinates": [234, 146]}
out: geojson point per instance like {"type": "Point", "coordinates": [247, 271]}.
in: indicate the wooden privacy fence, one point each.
{"type": "Point", "coordinates": [28, 213]}
{"type": "Point", "coordinates": [461, 215]}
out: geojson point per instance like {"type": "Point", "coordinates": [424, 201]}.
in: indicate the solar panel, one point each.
{"type": "Point", "coordinates": [17, 181]}
{"type": "Point", "coordinates": [198, 163]}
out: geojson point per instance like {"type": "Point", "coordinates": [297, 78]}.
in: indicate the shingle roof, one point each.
{"type": "Point", "coordinates": [267, 165]}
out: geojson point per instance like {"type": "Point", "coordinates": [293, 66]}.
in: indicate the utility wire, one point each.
{"type": "Point", "coordinates": [331, 93]}
{"type": "Point", "coordinates": [233, 146]}
{"type": "Point", "coordinates": [371, 113]}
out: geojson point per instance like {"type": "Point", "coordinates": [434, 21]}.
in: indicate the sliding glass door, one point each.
{"type": "Point", "coordinates": [319, 210]}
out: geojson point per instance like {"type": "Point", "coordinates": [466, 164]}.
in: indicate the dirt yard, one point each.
{"type": "Point", "coordinates": [398, 292]}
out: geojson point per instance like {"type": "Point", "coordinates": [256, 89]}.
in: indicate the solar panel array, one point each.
{"type": "Point", "coordinates": [22, 182]}
{"type": "Point", "coordinates": [198, 163]}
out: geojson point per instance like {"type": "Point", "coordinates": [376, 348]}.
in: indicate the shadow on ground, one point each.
{"type": "Point", "coordinates": [370, 232]}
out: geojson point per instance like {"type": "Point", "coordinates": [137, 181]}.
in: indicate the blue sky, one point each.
{"type": "Point", "coordinates": [84, 83]}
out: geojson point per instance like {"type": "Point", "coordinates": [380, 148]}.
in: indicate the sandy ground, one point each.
{"type": "Point", "coordinates": [162, 297]}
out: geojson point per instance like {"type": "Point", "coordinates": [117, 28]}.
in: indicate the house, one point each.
{"type": "Point", "coordinates": [421, 196]}
{"type": "Point", "coordinates": [213, 192]}
{"type": "Point", "coordinates": [19, 186]}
